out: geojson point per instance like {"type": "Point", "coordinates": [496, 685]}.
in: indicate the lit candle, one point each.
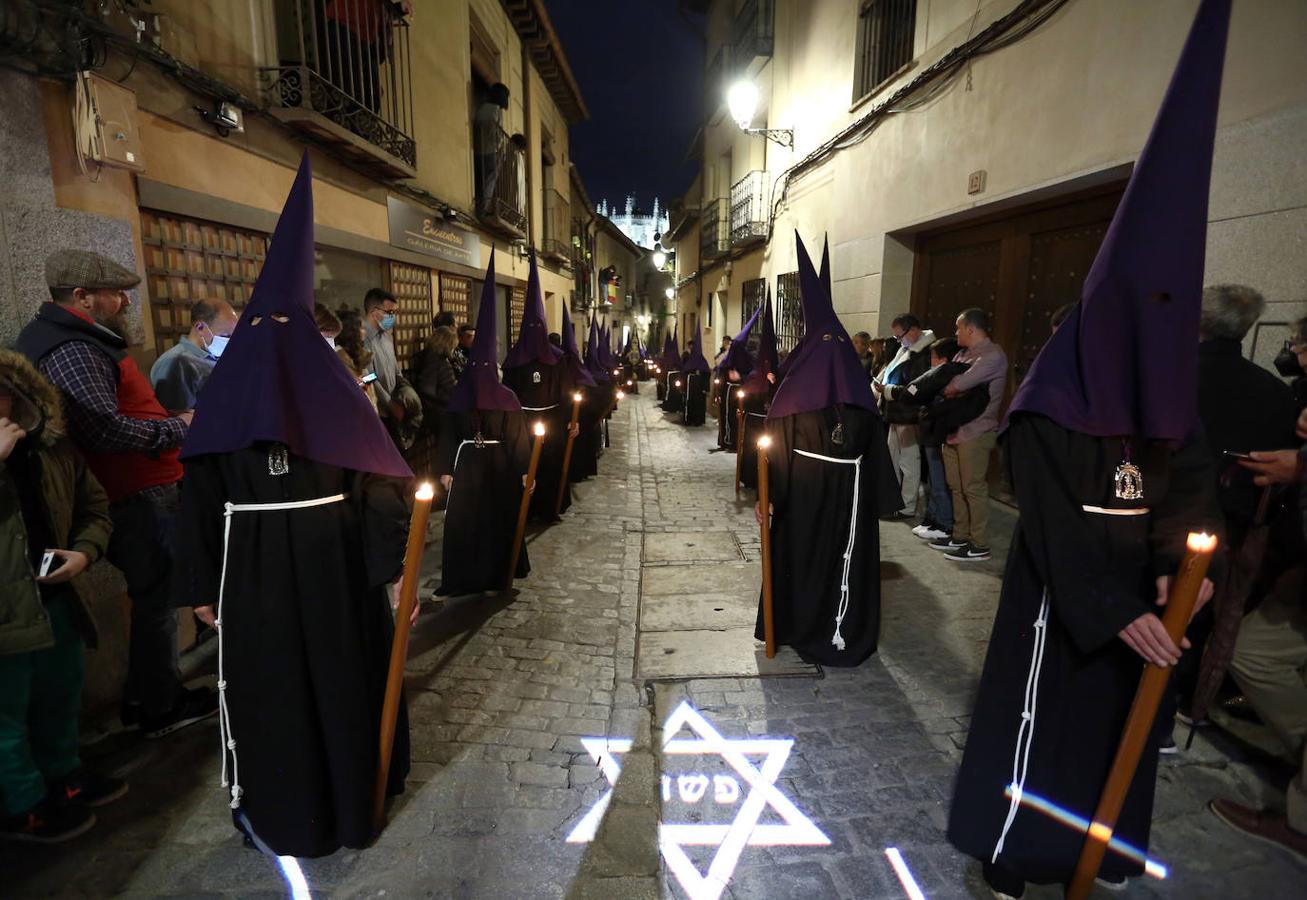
{"type": "Point", "coordinates": [1185, 587]}
{"type": "Point", "coordinates": [567, 453]}
{"type": "Point", "coordinates": [408, 590]}
{"type": "Point", "coordinates": [524, 507]}
{"type": "Point", "coordinates": [764, 509]}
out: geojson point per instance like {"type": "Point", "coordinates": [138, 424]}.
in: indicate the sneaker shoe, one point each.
{"type": "Point", "coordinates": [1167, 746]}
{"type": "Point", "coordinates": [932, 533]}
{"type": "Point", "coordinates": [193, 706]}
{"type": "Point", "coordinates": [88, 788]}
{"type": "Point", "coordinates": [946, 544]}
{"type": "Point", "coordinates": [1266, 826]}
{"type": "Point", "coordinates": [967, 553]}
{"type": "Point", "coordinates": [49, 822]}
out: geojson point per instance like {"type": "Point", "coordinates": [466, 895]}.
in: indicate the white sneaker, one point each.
{"type": "Point", "coordinates": [931, 533]}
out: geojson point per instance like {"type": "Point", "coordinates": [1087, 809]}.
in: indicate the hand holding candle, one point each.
{"type": "Point", "coordinates": [1184, 593]}
{"type": "Point", "coordinates": [404, 616]}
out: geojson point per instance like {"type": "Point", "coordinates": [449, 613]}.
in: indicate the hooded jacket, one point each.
{"type": "Point", "coordinates": [76, 509]}
{"type": "Point", "coordinates": [909, 364]}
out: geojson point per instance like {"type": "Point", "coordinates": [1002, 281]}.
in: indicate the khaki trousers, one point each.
{"type": "Point", "coordinates": [1270, 656]}
{"type": "Point", "coordinates": [965, 467]}
{"type": "Point", "coordinates": [905, 457]}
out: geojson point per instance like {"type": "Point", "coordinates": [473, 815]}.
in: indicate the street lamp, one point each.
{"type": "Point", "coordinates": [669, 293]}
{"type": "Point", "coordinates": [742, 100]}
{"type": "Point", "coordinates": [659, 257]}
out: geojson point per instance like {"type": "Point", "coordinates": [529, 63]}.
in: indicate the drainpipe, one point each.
{"type": "Point", "coordinates": [530, 145]}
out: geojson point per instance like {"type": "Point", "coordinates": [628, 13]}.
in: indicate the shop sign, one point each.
{"type": "Point", "coordinates": [416, 229]}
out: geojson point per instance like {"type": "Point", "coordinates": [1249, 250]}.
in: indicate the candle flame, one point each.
{"type": "Point", "coordinates": [1201, 542]}
{"type": "Point", "coordinates": [629, 382]}
{"type": "Point", "coordinates": [621, 395]}
{"type": "Point", "coordinates": [716, 381]}
{"type": "Point", "coordinates": [764, 442]}
{"type": "Point", "coordinates": [740, 392]}
{"type": "Point", "coordinates": [678, 382]}
{"type": "Point", "coordinates": [617, 371]}
{"type": "Point", "coordinates": [539, 429]}
{"type": "Point", "coordinates": [576, 398]}
{"type": "Point", "coordinates": [426, 490]}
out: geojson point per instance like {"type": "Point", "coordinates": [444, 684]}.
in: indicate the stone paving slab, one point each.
{"type": "Point", "coordinates": [690, 546]}
{"type": "Point", "coordinates": [699, 612]}
{"type": "Point", "coordinates": [706, 653]}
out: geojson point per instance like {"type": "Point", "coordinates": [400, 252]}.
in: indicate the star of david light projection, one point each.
{"type": "Point", "coordinates": [730, 839]}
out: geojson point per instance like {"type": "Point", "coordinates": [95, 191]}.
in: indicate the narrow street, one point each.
{"type": "Point", "coordinates": [634, 632]}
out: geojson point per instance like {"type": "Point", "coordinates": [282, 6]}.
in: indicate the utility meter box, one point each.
{"type": "Point", "coordinates": [113, 123]}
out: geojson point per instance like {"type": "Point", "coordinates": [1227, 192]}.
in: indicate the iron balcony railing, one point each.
{"type": "Point", "coordinates": [716, 228]}
{"type": "Point", "coordinates": [753, 34]}
{"type": "Point", "coordinates": [749, 208]}
{"type": "Point", "coordinates": [345, 76]}
{"type": "Point", "coordinates": [556, 239]}
{"type": "Point", "coordinates": [500, 178]}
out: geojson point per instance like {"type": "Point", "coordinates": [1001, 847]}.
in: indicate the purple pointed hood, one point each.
{"type": "Point", "coordinates": [1126, 361]}
{"type": "Point", "coordinates": [824, 369]}
{"type": "Point", "coordinates": [738, 356]}
{"type": "Point", "coordinates": [669, 353]}
{"type": "Point", "coordinates": [479, 387]}
{"type": "Point", "coordinates": [697, 362]}
{"type": "Point", "coordinates": [766, 361]}
{"type": "Point", "coordinates": [533, 337]}
{"type": "Point", "coordinates": [572, 355]}
{"type": "Point", "coordinates": [278, 380]}
{"type": "Point", "coordinates": [594, 363]}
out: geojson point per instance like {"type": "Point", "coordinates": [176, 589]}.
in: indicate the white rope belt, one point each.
{"type": "Point", "coordinates": [837, 639]}
{"type": "Point", "coordinates": [224, 717]}
{"type": "Point", "coordinates": [457, 454]}
{"type": "Point", "coordinates": [539, 408]}
{"type": "Point", "coordinates": [1026, 731]}
{"type": "Point", "coordinates": [756, 415]}
{"type": "Point", "coordinates": [1104, 511]}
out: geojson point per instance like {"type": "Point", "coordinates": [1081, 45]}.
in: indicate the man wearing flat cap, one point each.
{"type": "Point", "coordinates": [79, 342]}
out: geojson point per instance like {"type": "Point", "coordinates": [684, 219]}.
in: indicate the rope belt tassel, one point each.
{"type": "Point", "coordinates": [837, 639]}
{"type": "Point", "coordinates": [225, 734]}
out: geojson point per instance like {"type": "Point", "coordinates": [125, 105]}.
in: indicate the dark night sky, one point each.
{"type": "Point", "coordinates": [640, 67]}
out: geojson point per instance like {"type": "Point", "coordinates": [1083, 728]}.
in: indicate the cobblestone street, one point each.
{"type": "Point", "coordinates": [636, 627]}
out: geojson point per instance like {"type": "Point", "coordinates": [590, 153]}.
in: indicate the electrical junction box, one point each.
{"type": "Point", "coordinates": [113, 137]}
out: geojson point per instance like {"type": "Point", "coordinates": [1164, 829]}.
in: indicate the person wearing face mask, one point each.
{"type": "Point", "coordinates": [178, 375]}
{"type": "Point", "coordinates": [379, 322]}
{"type": "Point", "coordinates": [78, 340]}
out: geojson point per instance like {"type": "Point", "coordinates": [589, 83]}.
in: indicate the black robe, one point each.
{"type": "Point", "coordinates": [695, 408]}
{"type": "Point", "coordinates": [589, 444]}
{"type": "Point", "coordinates": [813, 503]}
{"type": "Point", "coordinates": [660, 385]}
{"type": "Point", "coordinates": [675, 399]}
{"type": "Point", "coordinates": [546, 396]}
{"type": "Point", "coordinates": [483, 502]}
{"type": "Point", "coordinates": [305, 637]}
{"type": "Point", "coordinates": [1097, 572]}
{"type": "Point", "coordinates": [755, 418]}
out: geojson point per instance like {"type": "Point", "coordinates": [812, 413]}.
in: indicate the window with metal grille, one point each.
{"type": "Point", "coordinates": [516, 309]}
{"type": "Point", "coordinates": [411, 286]}
{"type": "Point", "coordinates": [886, 29]}
{"type": "Point", "coordinates": [190, 259]}
{"type": "Point", "coordinates": [456, 296]}
{"type": "Point", "coordinates": [751, 293]}
{"type": "Point", "coordinates": [789, 309]}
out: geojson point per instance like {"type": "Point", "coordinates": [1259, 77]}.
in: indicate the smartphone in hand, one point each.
{"type": "Point", "coordinates": [47, 563]}
{"type": "Point", "coordinates": [1236, 454]}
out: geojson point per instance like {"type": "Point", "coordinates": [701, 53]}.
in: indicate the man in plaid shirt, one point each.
{"type": "Point", "coordinates": [78, 341]}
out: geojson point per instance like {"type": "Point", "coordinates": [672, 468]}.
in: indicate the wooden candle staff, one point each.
{"type": "Point", "coordinates": [1139, 725]}
{"type": "Point", "coordinates": [408, 589]}
{"type": "Point", "coordinates": [567, 452]}
{"type": "Point", "coordinates": [739, 437]}
{"type": "Point", "coordinates": [764, 504]}
{"type": "Point", "coordinates": [525, 507]}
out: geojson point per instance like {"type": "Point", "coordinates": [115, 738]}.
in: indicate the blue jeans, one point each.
{"type": "Point", "coordinates": [939, 508]}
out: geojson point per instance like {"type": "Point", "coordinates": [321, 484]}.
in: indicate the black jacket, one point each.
{"type": "Point", "coordinates": [898, 410]}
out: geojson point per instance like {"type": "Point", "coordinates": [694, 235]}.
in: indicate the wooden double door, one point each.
{"type": "Point", "coordinates": [1020, 267]}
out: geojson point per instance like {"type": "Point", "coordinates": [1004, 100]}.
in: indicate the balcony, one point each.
{"type": "Point", "coordinates": [715, 230]}
{"type": "Point", "coordinates": [556, 243]}
{"type": "Point", "coordinates": [752, 38]}
{"type": "Point", "coordinates": [345, 79]}
{"type": "Point", "coordinates": [500, 169]}
{"type": "Point", "coordinates": [749, 209]}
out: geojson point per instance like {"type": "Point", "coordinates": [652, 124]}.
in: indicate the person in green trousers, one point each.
{"type": "Point", "coordinates": [50, 506]}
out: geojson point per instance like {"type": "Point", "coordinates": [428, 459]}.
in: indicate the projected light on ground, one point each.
{"type": "Point", "coordinates": [1081, 824]}
{"type": "Point", "coordinates": [295, 880]}
{"type": "Point", "coordinates": [910, 886]}
{"type": "Point", "coordinates": [750, 789]}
